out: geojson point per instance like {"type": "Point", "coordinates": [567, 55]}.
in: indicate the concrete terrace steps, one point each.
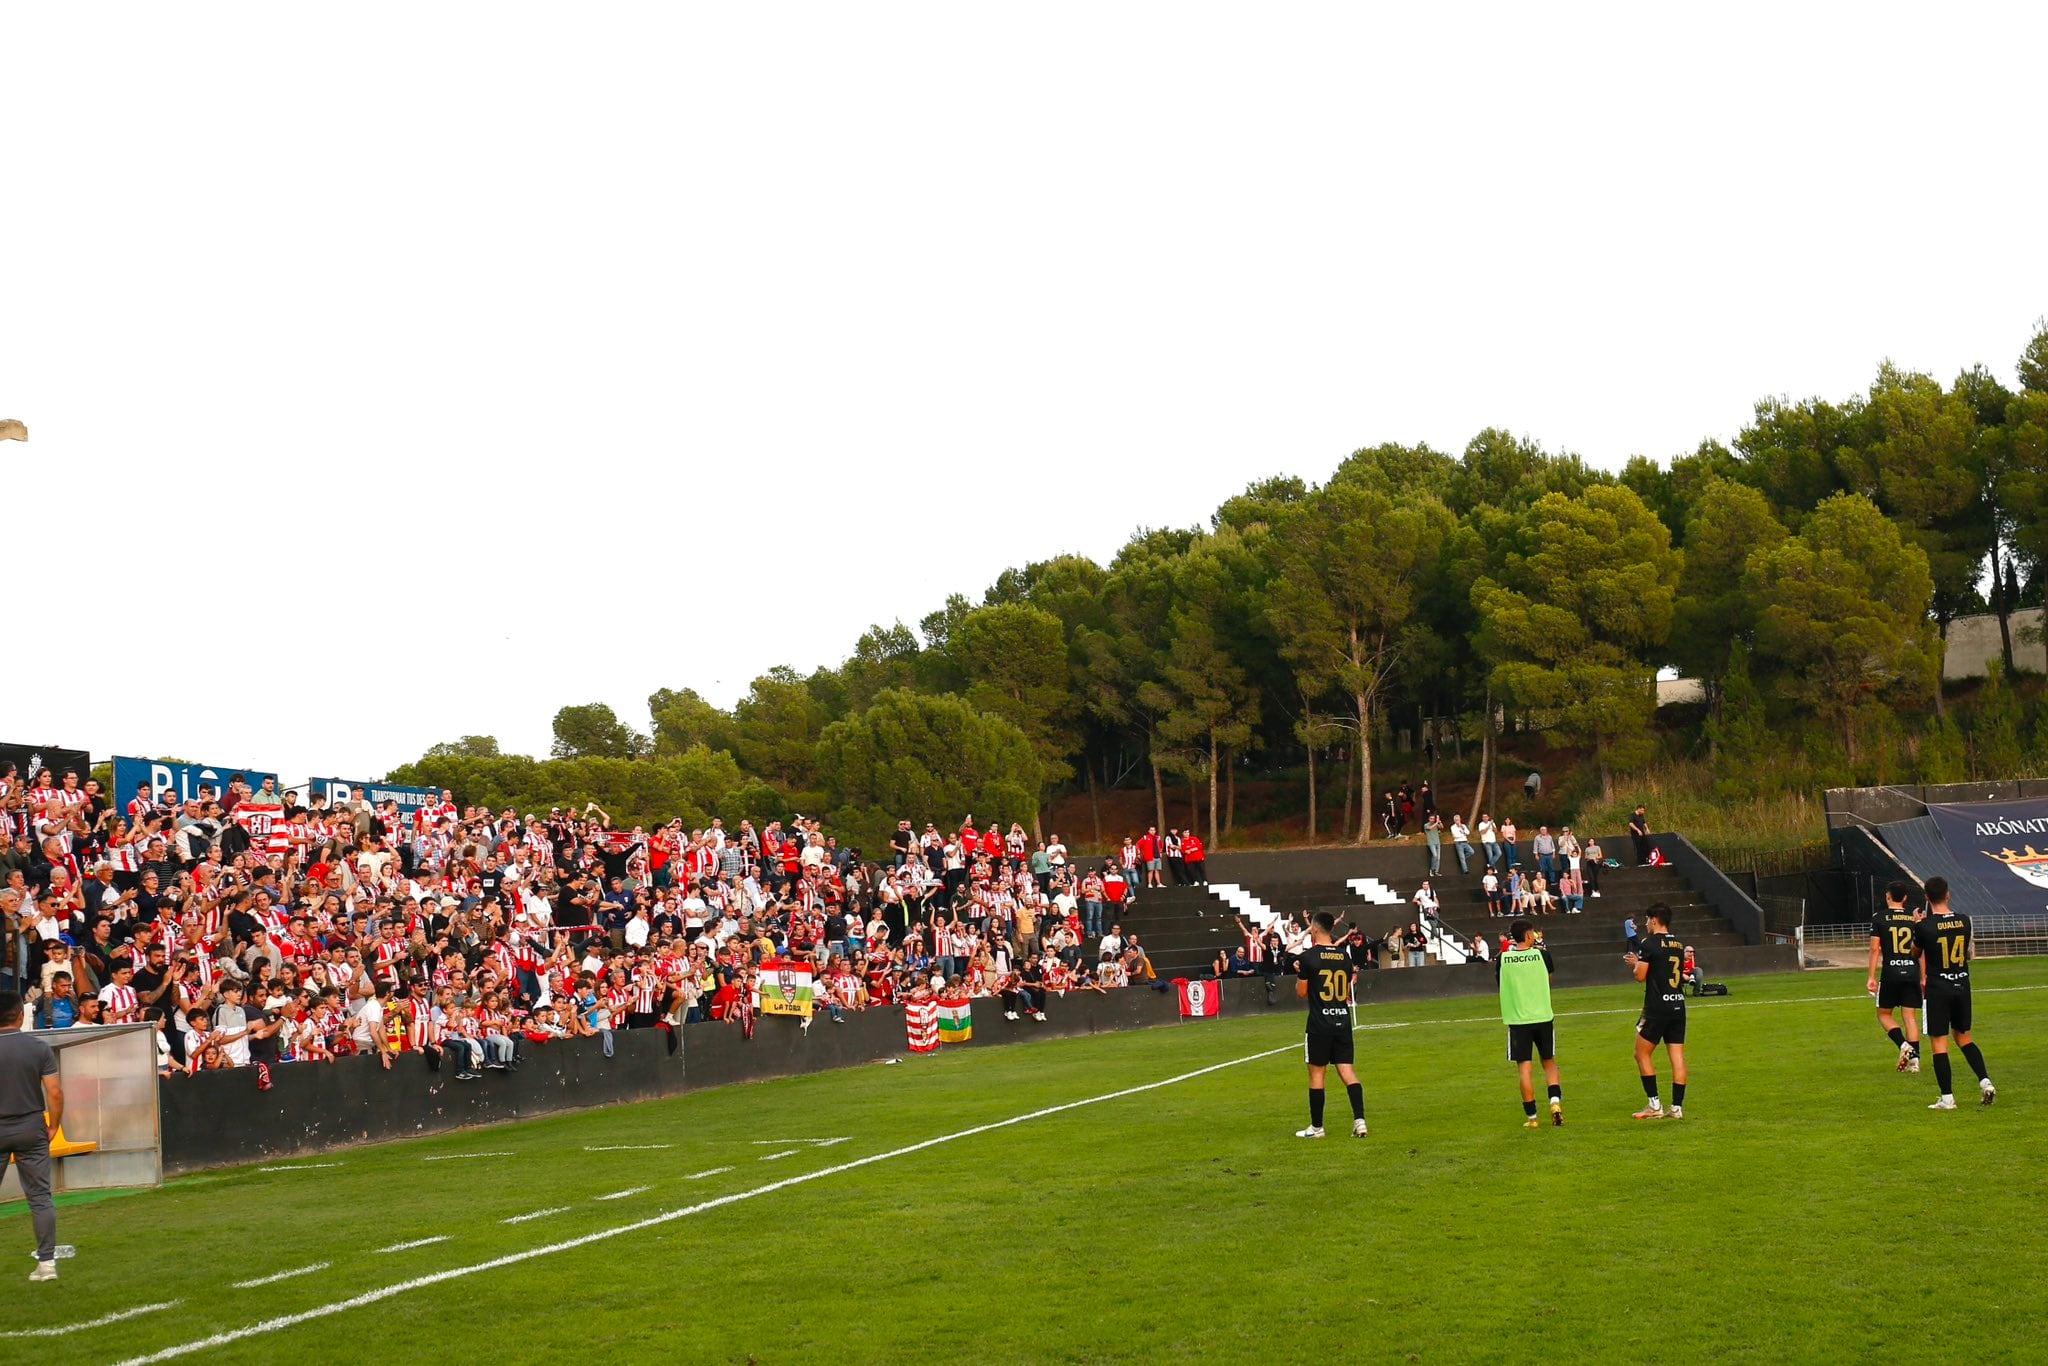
{"type": "Point", "coordinates": [1183, 927]}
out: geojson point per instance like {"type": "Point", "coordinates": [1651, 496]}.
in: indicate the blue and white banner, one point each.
{"type": "Point", "coordinates": [176, 782]}
{"type": "Point", "coordinates": [409, 799]}
{"type": "Point", "coordinates": [2004, 845]}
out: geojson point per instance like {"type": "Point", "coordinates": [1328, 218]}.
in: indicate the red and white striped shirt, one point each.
{"type": "Point", "coordinates": [120, 1004]}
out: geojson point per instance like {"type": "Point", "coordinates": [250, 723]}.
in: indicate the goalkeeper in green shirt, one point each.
{"type": "Point", "coordinates": [1524, 974]}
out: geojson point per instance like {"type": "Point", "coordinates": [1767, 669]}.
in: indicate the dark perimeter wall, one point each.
{"type": "Point", "coordinates": [220, 1118]}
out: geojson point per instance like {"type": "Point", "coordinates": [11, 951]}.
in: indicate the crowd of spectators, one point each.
{"type": "Point", "coordinates": [317, 931]}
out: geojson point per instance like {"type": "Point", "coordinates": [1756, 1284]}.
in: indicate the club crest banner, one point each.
{"type": "Point", "coordinates": [2005, 847]}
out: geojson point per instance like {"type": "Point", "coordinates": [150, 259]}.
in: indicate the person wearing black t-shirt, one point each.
{"type": "Point", "coordinates": [1659, 963]}
{"type": "Point", "coordinates": [1325, 971]}
{"type": "Point", "coordinates": [1895, 973]}
{"type": "Point", "coordinates": [1944, 942]}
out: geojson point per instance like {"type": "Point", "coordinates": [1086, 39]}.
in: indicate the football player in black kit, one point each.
{"type": "Point", "coordinates": [1944, 940]}
{"type": "Point", "coordinates": [1659, 964]}
{"type": "Point", "coordinates": [1325, 971]}
{"type": "Point", "coordinates": [1895, 973]}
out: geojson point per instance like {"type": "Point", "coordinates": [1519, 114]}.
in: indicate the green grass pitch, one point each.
{"type": "Point", "coordinates": [1809, 1207]}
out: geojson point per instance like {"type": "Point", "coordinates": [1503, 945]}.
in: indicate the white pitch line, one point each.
{"type": "Point", "coordinates": [382, 1293]}
{"type": "Point", "coordinates": [458, 1157]}
{"type": "Point", "coordinates": [626, 1147]}
{"type": "Point", "coordinates": [699, 1176]}
{"type": "Point", "coordinates": [300, 1167]}
{"type": "Point", "coordinates": [814, 1142]}
{"type": "Point", "coordinates": [417, 1242]}
{"type": "Point", "coordinates": [537, 1214]}
{"type": "Point", "coordinates": [786, 1152]}
{"type": "Point", "coordinates": [620, 1195]}
{"type": "Point", "coordinates": [61, 1330]}
{"type": "Point", "coordinates": [275, 1277]}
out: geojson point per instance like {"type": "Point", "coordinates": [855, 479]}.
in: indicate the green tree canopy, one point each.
{"type": "Point", "coordinates": [916, 756]}
{"type": "Point", "coordinates": [594, 731]}
{"type": "Point", "coordinates": [1843, 613]}
{"type": "Point", "coordinates": [1583, 601]}
{"type": "Point", "coordinates": [1714, 609]}
{"type": "Point", "coordinates": [1349, 573]}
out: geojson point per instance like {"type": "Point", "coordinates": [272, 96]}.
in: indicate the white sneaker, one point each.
{"type": "Point", "coordinates": [1358, 1128]}
{"type": "Point", "coordinates": [1945, 1103]}
{"type": "Point", "coordinates": [1914, 1064]}
{"type": "Point", "coordinates": [1037, 1014]}
{"type": "Point", "coordinates": [1312, 1131]}
{"type": "Point", "coordinates": [1675, 1112]}
{"type": "Point", "coordinates": [1596, 894]}
{"type": "Point", "coordinates": [1652, 1111]}
{"type": "Point", "coordinates": [45, 1271]}
{"type": "Point", "coordinates": [1009, 1014]}
{"type": "Point", "coordinates": [1905, 1056]}
{"type": "Point", "coordinates": [1990, 1091]}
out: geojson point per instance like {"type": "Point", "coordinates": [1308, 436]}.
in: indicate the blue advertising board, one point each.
{"type": "Point", "coordinates": [176, 782]}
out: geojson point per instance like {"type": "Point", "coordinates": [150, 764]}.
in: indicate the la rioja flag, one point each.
{"type": "Point", "coordinates": [1199, 998]}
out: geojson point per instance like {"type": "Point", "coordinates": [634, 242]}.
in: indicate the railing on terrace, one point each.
{"type": "Point", "coordinates": [1996, 936]}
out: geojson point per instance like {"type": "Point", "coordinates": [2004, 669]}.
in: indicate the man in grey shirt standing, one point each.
{"type": "Point", "coordinates": [29, 1088]}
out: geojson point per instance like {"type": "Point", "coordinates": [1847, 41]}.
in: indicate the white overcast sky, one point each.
{"type": "Point", "coordinates": [396, 372]}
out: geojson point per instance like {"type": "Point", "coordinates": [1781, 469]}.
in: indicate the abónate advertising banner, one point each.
{"type": "Point", "coordinates": [2004, 845]}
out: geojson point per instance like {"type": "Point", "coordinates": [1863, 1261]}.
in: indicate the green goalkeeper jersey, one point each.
{"type": "Point", "coordinates": [1524, 985]}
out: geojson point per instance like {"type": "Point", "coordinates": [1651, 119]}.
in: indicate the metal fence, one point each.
{"type": "Point", "coordinates": [1783, 915]}
{"type": "Point", "coordinates": [1996, 936]}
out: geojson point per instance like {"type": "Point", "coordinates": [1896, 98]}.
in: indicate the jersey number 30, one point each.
{"type": "Point", "coordinates": [1336, 985]}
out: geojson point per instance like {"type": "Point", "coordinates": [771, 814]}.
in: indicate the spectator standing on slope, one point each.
{"type": "Point", "coordinates": [1639, 832]}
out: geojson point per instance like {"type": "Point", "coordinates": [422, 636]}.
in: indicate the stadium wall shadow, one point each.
{"type": "Point", "coordinates": [214, 1119]}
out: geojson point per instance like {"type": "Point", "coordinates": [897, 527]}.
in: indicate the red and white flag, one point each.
{"type": "Point", "coordinates": [1199, 999]}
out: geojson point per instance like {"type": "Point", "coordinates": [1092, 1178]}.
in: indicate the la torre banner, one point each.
{"type": "Point", "coordinates": [2004, 845]}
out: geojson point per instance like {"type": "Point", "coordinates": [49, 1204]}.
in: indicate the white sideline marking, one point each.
{"type": "Point", "coordinates": [382, 1293]}
{"type": "Point", "coordinates": [100, 1322]}
{"type": "Point", "coordinates": [699, 1176]}
{"type": "Point", "coordinates": [417, 1242]}
{"type": "Point", "coordinates": [620, 1195]}
{"type": "Point", "coordinates": [786, 1152]}
{"type": "Point", "coordinates": [300, 1167]}
{"type": "Point", "coordinates": [537, 1214]}
{"type": "Point", "coordinates": [626, 1147]}
{"type": "Point", "coordinates": [275, 1277]}
{"type": "Point", "coordinates": [457, 1157]}
{"type": "Point", "coordinates": [814, 1142]}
